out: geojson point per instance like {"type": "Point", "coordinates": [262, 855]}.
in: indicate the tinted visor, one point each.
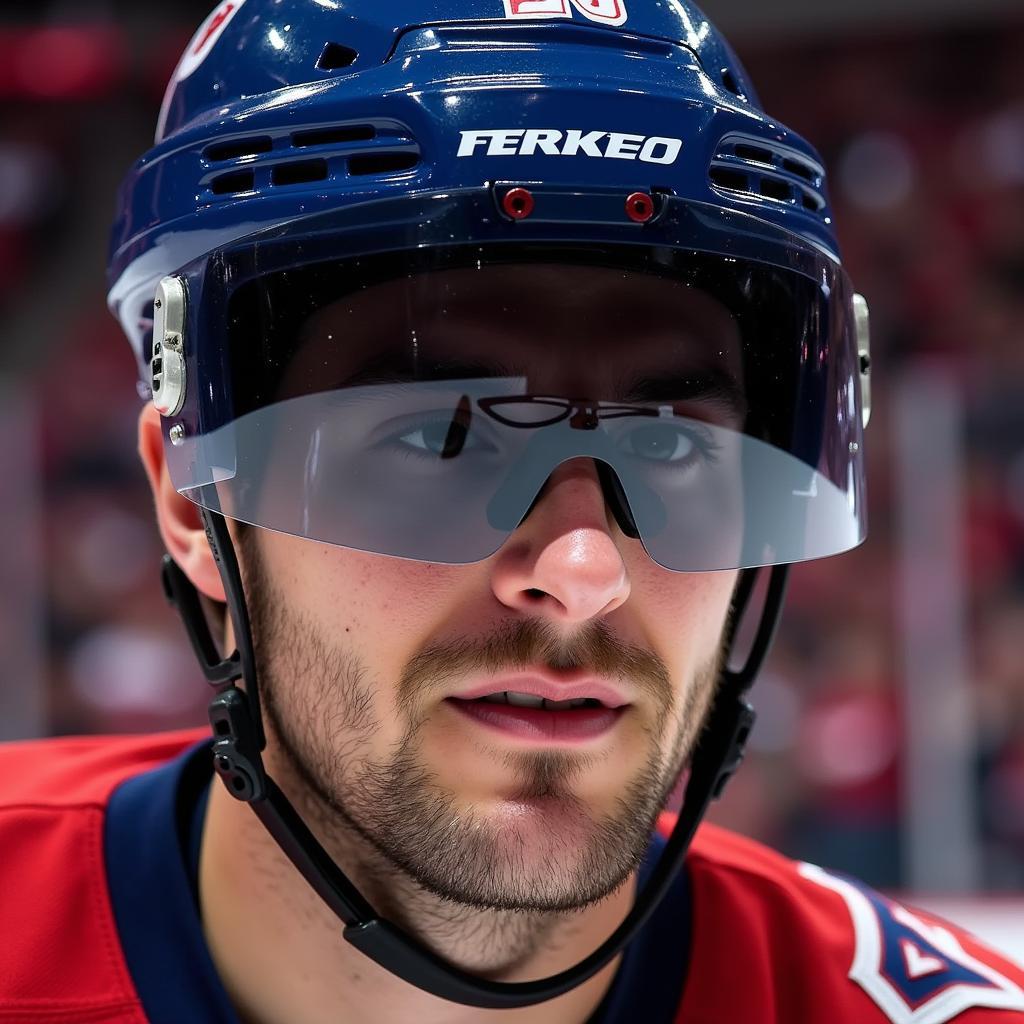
{"type": "Point", "coordinates": [417, 404]}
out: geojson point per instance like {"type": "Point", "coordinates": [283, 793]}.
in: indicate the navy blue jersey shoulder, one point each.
{"type": "Point", "coordinates": [649, 984]}
{"type": "Point", "coordinates": [149, 853]}
{"type": "Point", "coordinates": [152, 838]}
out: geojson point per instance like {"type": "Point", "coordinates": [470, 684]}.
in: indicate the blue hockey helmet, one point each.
{"type": "Point", "coordinates": [399, 165]}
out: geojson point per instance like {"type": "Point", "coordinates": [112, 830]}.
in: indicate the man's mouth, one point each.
{"type": "Point", "coordinates": [530, 717]}
{"type": "Point", "coordinates": [531, 700]}
{"type": "Point", "coordinates": [538, 687]}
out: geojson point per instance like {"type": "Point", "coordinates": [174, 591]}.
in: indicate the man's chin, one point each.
{"type": "Point", "coordinates": [544, 854]}
{"type": "Point", "coordinates": [529, 822]}
{"type": "Point", "coordinates": [531, 888]}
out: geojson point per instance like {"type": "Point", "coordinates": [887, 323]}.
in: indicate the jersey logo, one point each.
{"type": "Point", "coordinates": [919, 964]}
{"type": "Point", "coordinates": [917, 973]}
{"type": "Point", "coordinates": [604, 12]}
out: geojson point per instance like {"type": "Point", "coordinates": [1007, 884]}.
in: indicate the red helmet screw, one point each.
{"type": "Point", "coordinates": [518, 203]}
{"type": "Point", "coordinates": [640, 207]}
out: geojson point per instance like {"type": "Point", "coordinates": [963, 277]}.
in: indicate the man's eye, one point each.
{"type": "Point", "coordinates": [441, 437]}
{"type": "Point", "coordinates": [660, 443]}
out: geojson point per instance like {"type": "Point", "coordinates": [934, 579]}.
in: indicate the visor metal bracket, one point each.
{"type": "Point", "coordinates": [862, 318]}
{"type": "Point", "coordinates": [167, 363]}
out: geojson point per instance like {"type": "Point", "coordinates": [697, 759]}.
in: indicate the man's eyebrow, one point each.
{"type": "Point", "coordinates": [398, 368]}
{"type": "Point", "coordinates": [706, 384]}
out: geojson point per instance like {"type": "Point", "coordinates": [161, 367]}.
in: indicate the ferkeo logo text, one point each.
{"type": "Point", "coordinates": [650, 149]}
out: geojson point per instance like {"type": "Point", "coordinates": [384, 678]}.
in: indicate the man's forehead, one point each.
{"type": "Point", "coordinates": [531, 319]}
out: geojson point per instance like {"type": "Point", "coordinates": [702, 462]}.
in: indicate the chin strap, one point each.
{"type": "Point", "coordinates": [239, 740]}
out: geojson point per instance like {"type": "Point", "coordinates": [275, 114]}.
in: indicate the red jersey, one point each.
{"type": "Point", "coordinates": [771, 941]}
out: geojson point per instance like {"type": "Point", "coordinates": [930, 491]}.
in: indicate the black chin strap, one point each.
{"type": "Point", "coordinates": [239, 740]}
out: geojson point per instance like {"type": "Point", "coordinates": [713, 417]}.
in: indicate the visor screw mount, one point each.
{"type": "Point", "coordinates": [518, 203]}
{"type": "Point", "coordinates": [640, 207]}
{"type": "Point", "coordinates": [177, 435]}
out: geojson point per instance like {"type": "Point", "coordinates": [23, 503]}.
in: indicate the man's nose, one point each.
{"type": "Point", "coordinates": [563, 562]}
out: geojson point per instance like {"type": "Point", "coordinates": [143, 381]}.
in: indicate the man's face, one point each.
{"type": "Point", "coordinates": [375, 668]}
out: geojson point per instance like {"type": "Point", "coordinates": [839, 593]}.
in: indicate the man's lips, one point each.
{"type": "Point", "coordinates": [539, 724]}
{"type": "Point", "coordinates": [547, 686]}
{"type": "Point", "coordinates": [544, 724]}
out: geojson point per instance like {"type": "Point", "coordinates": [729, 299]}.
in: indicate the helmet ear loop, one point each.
{"type": "Point", "coordinates": [223, 549]}
{"type": "Point", "coordinates": [721, 747]}
{"type": "Point", "coordinates": [234, 714]}
{"type": "Point", "coordinates": [740, 680]}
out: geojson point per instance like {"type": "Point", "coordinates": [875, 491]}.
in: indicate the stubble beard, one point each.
{"type": "Point", "coordinates": [419, 855]}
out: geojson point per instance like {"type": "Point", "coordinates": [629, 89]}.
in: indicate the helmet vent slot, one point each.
{"type": "Point", "coordinates": [312, 156]}
{"type": "Point", "coordinates": [801, 170]}
{"type": "Point", "coordinates": [734, 180]}
{"type": "Point", "coordinates": [775, 188]}
{"type": "Point", "coordinates": [233, 149]}
{"type": "Point", "coordinates": [382, 163]}
{"type": "Point", "coordinates": [334, 134]}
{"type": "Point", "coordinates": [298, 172]}
{"type": "Point", "coordinates": [753, 153]}
{"type": "Point", "coordinates": [334, 57]}
{"type": "Point", "coordinates": [233, 181]}
{"type": "Point", "coordinates": [761, 169]}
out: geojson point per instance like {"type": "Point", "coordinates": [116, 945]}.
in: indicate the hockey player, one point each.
{"type": "Point", "coordinates": [492, 349]}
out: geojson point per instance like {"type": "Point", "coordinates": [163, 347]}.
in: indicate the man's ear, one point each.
{"type": "Point", "coordinates": [178, 518]}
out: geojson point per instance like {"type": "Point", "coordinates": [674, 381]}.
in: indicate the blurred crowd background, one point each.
{"type": "Point", "coordinates": [891, 733]}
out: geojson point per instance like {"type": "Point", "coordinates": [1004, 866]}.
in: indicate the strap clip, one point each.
{"type": "Point", "coordinates": [236, 752]}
